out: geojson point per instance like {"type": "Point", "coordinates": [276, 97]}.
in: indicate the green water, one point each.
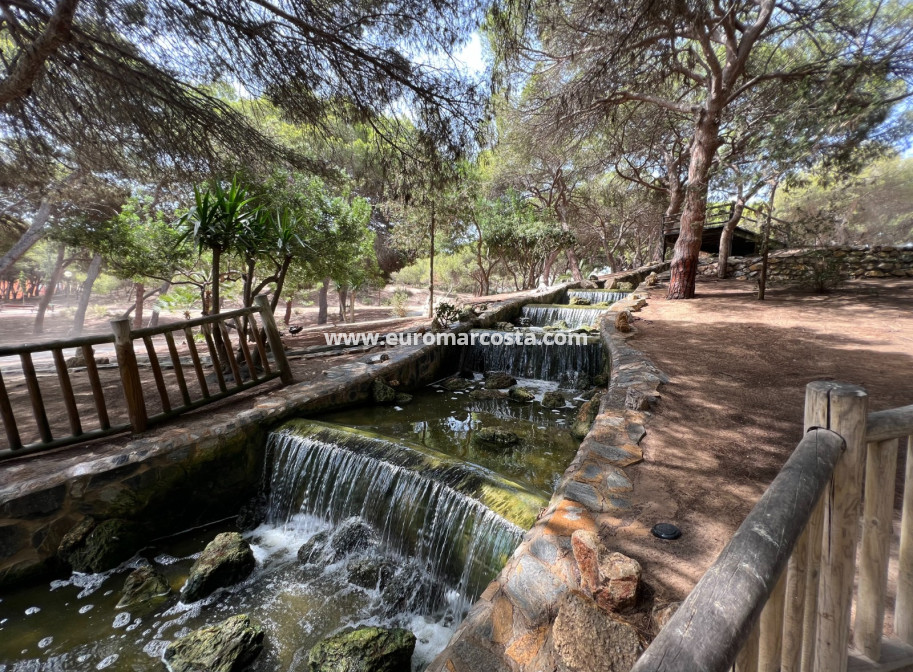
{"type": "Point", "coordinates": [445, 421]}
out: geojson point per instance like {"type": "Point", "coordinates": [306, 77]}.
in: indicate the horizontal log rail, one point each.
{"type": "Point", "coordinates": [254, 356]}
{"type": "Point", "coordinates": [747, 612]}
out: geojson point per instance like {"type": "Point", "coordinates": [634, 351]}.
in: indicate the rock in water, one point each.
{"type": "Point", "coordinates": [226, 560]}
{"type": "Point", "coordinates": [367, 649]}
{"type": "Point", "coordinates": [371, 572]}
{"type": "Point", "coordinates": [403, 398]}
{"type": "Point", "coordinates": [495, 436]}
{"type": "Point", "coordinates": [553, 400]}
{"type": "Point", "coordinates": [518, 393]}
{"type": "Point", "coordinates": [96, 548]}
{"type": "Point", "coordinates": [383, 393]}
{"type": "Point", "coordinates": [482, 395]}
{"type": "Point", "coordinates": [585, 416]}
{"type": "Point", "coordinates": [455, 384]}
{"type": "Point", "coordinates": [230, 646]}
{"type": "Point", "coordinates": [352, 536]}
{"type": "Point", "coordinates": [143, 586]}
{"type": "Point", "coordinates": [579, 301]}
{"type": "Point", "coordinates": [498, 380]}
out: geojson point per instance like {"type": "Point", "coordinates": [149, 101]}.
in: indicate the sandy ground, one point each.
{"type": "Point", "coordinates": [732, 412]}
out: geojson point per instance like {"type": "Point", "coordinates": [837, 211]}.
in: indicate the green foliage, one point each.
{"type": "Point", "coordinates": [446, 313]}
{"type": "Point", "coordinates": [399, 300]}
{"type": "Point", "coordinates": [823, 274]}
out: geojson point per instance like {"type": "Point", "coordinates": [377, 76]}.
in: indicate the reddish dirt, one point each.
{"type": "Point", "coordinates": [733, 410]}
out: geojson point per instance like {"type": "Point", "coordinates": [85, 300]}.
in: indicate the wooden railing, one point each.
{"type": "Point", "coordinates": [780, 595]}
{"type": "Point", "coordinates": [263, 362]}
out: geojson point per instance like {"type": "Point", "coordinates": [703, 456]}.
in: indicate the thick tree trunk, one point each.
{"type": "Point", "coordinates": [288, 312]}
{"type": "Point", "coordinates": [322, 301]}
{"type": "Point", "coordinates": [676, 199]}
{"type": "Point", "coordinates": [140, 290]}
{"type": "Point", "coordinates": [694, 213]}
{"type": "Point", "coordinates": [726, 238]}
{"type": "Point", "coordinates": [431, 271]}
{"type": "Point", "coordinates": [79, 319]}
{"type": "Point", "coordinates": [31, 236]}
{"type": "Point", "coordinates": [549, 262]}
{"type": "Point", "coordinates": [45, 301]}
{"type": "Point", "coordinates": [154, 319]}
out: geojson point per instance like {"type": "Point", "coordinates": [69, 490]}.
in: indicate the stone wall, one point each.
{"type": "Point", "coordinates": [172, 478]}
{"type": "Point", "coordinates": [797, 266]}
{"type": "Point", "coordinates": [545, 610]}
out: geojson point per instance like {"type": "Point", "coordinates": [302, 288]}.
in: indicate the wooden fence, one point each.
{"type": "Point", "coordinates": [257, 346]}
{"type": "Point", "coordinates": [780, 595]}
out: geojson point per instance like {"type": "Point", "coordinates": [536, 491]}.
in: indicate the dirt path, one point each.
{"type": "Point", "coordinates": [732, 413]}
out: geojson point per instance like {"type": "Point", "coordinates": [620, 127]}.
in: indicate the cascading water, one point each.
{"type": "Point", "coordinates": [541, 315]}
{"type": "Point", "coordinates": [566, 364]}
{"type": "Point", "coordinates": [423, 505]}
{"type": "Point", "coordinates": [597, 295]}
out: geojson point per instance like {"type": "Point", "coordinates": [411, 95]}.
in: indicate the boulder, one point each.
{"type": "Point", "coordinates": [230, 646]}
{"type": "Point", "coordinates": [382, 392]}
{"type": "Point", "coordinates": [560, 325]}
{"type": "Point", "coordinates": [624, 287]}
{"type": "Point", "coordinates": [504, 326]}
{"type": "Point", "coordinates": [466, 315]}
{"type": "Point", "coordinates": [403, 398]}
{"type": "Point", "coordinates": [371, 572]}
{"type": "Point", "coordinates": [225, 561]}
{"type": "Point", "coordinates": [494, 436]}
{"type": "Point", "coordinates": [143, 586]}
{"type": "Point", "coordinates": [365, 649]}
{"type": "Point", "coordinates": [579, 301]}
{"type": "Point", "coordinates": [314, 549]}
{"type": "Point", "coordinates": [409, 590]}
{"type": "Point", "coordinates": [499, 380]}
{"type": "Point", "coordinates": [523, 322]}
{"type": "Point", "coordinates": [91, 547]}
{"type": "Point", "coordinates": [585, 416]}
{"type": "Point", "coordinates": [588, 639]}
{"type": "Point", "coordinates": [600, 380]}
{"type": "Point", "coordinates": [480, 395]}
{"type": "Point", "coordinates": [351, 536]}
{"type": "Point", "coordinates": [455, 384]}
{"type": "Point", "coordinates": [651, 279]}
{"type": "Point", "coordinates": [612, 579]}
{"type": "Point", "coordinates": [553, 399]}
{"type": "Point", "coordinates": [521, 394]}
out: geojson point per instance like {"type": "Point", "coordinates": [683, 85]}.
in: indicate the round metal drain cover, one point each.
{"type": "Point", "coordinates": [666, 531]}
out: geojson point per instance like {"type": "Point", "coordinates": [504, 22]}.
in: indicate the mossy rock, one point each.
{"type": "Point", "coordinates": [144, 587]}
{"type": "Point", "coordinates": [225, 561]}
{"type": "Point", "coordinates": [553, 399]}
{"type": "Point", "coordinates": [371, 572]}
{"type": "Point", "coordinates": [230, 646]}
{"type": "Point", "coordinates": [586, 416]}
{"type": "Point", "coordinates": [495, 436]}
{"type": "Point", "coordinates": [624, 287]}
{"type": "Point", "coordinates": [483, 395]}
{"type": "Point", "coordinates": [97, 548]}
{"type": "Point", "coordinates": [455, 384]}
{"type": "Point", "coordinates": [499, 380]}
{"type": "Point", "coordinates": [382, 392]}
{"type": "Point", "coordinates": [579, 301]}
{"type": "Point", "coordinates": [521, 394]}
{"type": "Point", "coordinates": [403, 398]}
{"type": "Point", "coordinates": [366, 649]}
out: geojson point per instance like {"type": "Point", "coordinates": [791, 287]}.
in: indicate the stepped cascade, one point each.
{"type": "Point", "coordinates": [597, 295]}
{"type": "Point", "coordinates": [544, 314]}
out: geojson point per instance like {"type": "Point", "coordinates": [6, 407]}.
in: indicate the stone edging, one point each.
{"type": "Point", "coordinates": [513, 625]}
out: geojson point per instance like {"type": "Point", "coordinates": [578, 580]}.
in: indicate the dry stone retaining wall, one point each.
{"type": "Point", "coordinates": [543, 611]}
{"type": "Point", "coordinates": [795, 266]}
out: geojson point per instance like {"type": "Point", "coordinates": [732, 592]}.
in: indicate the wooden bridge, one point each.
{"type": "Point", "coordinates": [781, 594]}
{"type": "Point", "coordinates": [126, 407]}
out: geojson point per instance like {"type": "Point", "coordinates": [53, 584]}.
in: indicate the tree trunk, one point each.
{"type": "Point", "coordinates": [765, 241]}
{"type": "Point", "coordinates": [342, 293]}
{"type": "Point", "coordinates": [322, 301]}
{"type": "Point", "coordinates": [216, 301]}
{"type": "Point", "coordinates": [688, 246]}
{"type": "Point", "coordinates": [79, 319]}
{"type": "Point", "coordinates": [549, 262]}
{"type": "Point", "coordinates": [31, 236]}
{"type": "Point", "coordinates": [431, 271]}
{"type": "Point", "coordinates": [154, 319]}
{"type": "Point", "coordinates": [352, 306]}
{"type": "Point", "coordinates": [140, 302]}
{"type": "Point", "coordinates": [288, 312]}
{"type": "Point", "coordinates": [45, 301]}
{"type": "Point", "coordinates": [676, 199]}
{"type": "Point", "coordinates": [249, 283]}
{"type": "Point", "coordinates": [726, 238]}
{"type": "Point", "coordinates": [280, 283]}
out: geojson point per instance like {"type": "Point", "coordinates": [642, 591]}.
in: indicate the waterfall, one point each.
{"type": "Point", "coordinates": [562, 363]}
{"type": "Point", "coordinates": [597, 295]}
{"type": "Point", "coordinates": [458, 520]}
{"type": "Point", "coordinates": [542, 315]}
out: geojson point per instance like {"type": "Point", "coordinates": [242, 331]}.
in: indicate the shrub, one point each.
{"type": "Point", "coordinates": [823, 275]}
{"type": "Point", "coordinates": [446, 313]}
{"type": "Point", "coordinates": [399, 300]}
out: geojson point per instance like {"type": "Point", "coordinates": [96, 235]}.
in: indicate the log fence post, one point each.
{"type": "Point", "coordinates": [275, 342]}
{"type": "Point", "coordinates": [129, 374]}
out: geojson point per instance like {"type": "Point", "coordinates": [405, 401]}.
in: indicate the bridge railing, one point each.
{"type": "Point", "coordinates": [780, 595]}
{"type": "Point", "coordinates": [134, 401]}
